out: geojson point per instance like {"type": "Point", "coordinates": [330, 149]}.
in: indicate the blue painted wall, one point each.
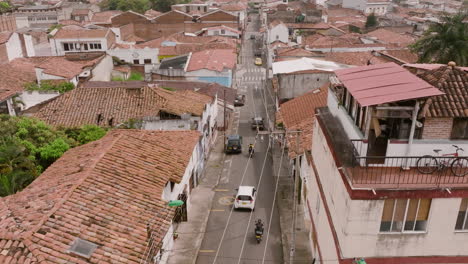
{"type": "Point", "coordinates": [226, 81]}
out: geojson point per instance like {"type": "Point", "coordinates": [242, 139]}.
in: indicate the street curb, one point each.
{"type": "Point", "coordinates": [284, 239]}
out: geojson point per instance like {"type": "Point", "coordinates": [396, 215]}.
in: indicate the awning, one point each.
{"type": "Point", "coordinates": [384, 83]}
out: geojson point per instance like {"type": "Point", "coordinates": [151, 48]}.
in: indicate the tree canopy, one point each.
{"type": "Point", "coordinates": [28, 146]}
{"type": "Point", "coordinates": [140, 6]}
{"type": "Point", "coordinates": [445, 41]}
{"type": "Point", "coordinates": [371, 21]}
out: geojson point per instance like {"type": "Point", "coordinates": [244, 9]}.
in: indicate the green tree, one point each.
{"type": "Point", "coordinates": [90, 133]}
{"type": "Point", "coordinates": [445, 41]}
{"type": "Point", "coordinates": [52, 151]}
{"type": "Point", "coordinates": [162, 5]}
{"type": "Point", "coordinates": [50, 86]}
{"type": "Point", "coordinates": [371, 21]}
{"type": "Point", "coordinates": [5, 7]}
{"type": "Point", "coordinates": [17, 170]}
{"type": "Point", "coordinates": [139, 6]}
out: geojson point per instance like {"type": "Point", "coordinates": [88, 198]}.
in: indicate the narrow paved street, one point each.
{"type": "Point", "coordinates": [229, 236]}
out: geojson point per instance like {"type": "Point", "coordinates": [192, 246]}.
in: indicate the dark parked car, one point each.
{"type": "Point", "coordinates": [240, 100]}
{"type": "Point", "coordinates": [258, 122]}
{"type": "Point", "coordinates": [233, 144]}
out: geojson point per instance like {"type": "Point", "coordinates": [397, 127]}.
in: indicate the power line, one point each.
{"type": "Point", "coordinates": [251, 212]}
{"type": "Point", "coordinates": [274, 200]}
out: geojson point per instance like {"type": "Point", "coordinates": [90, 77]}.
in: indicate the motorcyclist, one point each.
{"type": "Point", "coordinates": [259, 225]}
{"type": "Point", "coordinates": [251, 149]}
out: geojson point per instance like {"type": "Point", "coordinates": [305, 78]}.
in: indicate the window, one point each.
{"type": "Point", "coordinates": [136, 61]}
{"type": "Point", "coordinates": [66, 47]}
{"type": "Point", "coordinates": [70, 46]}
{"type": "Point", "coordinates": [461, 223]}
{"type": "Point", "coordinates": [460, 128]}
{"type": "Point", "coordinates": [95, 46]}
{"type": "Point", "coordinates": [85, 46]}
{"type": "Point", "coordinates": [405, 215]}
{"type": "Point", "coordinates": [187, 9]}
{"type": "Point", "coordinates": [223, 31]}
{"type": "Point", "coordinates": [147, 61]}
{"type": "Point", "coordinates": [172, 185]}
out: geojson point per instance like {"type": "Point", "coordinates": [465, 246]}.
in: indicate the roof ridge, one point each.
{"type": "Point", "coordinates": [29, 233]}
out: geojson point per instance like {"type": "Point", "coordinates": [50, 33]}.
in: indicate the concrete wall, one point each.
{"type": "Point", "coordinates": [294, 85]}
{"type": "Point", "coordinates": [29, 44]}
{"type": "Point", "coordinates": [13, 47]}
{"type": "Point", "coordinates": [103, 70]}
{"type": "Point", "coordinates": [357, 222]}
{"type": "Point", "coordinates": [176, 124]}
{"type": "Point", "coordinates": [223, 78]}
{"type": "Point", "coordinates": [32, 98]}
{"type": "Point", "coordinates": [57, 45]}
{"type": "Point", "coordinates": [217, 32]}
{"type": "Point", "coordinates": [131, 54]}
{"type": "Point", "coordinates": [279, 32]}
{"type": "Point", "coordinates": [355, 4]}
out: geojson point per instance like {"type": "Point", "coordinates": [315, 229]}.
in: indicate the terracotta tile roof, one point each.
{"type": "Point", "coordinates": [403, 55]}
{"type": "Point", "coordinates": [152, 13]}
{"type": "Point", "coordinates": [186, 48]}
{"type": "Point", "coordinates": [299, 114]}
{"type": "Point", "coordinates": [5, 36]}
{"type": "Point", "coordinates": [343, 12]}
{"type": "Point", "coordinates": [61, 66]}
{"type": "Point", "coordinates": [81, 33]}
{"type": "Point", "coordinates": [68, 22]}
{"type": "Point", "coordinates": [225, 28]}
{"type": "Point", "coordinates": [154, 43]}
{"type": "Point", "coordinates": [387, 36]}
{"type": "Point", "coordinates": [294, 52]}
{"type": "Point", "coordinates": [104, 192]}
{"type": "Point", "coordinates": [210, 89]}
{"type": "Point", "coordinates": [13, 79]}
{"type": "Point", "coordinates": [105, 16]}
{"type": "Point", "coordinates": [213, 59]}
{"type": "Point", "coordinates": [238, 6]}
{"type": "Point", "coordinates": [275, 23]}
{"type": "Point", "coordinates": [453, 81]}
{"type": "Point", "coordinates": [78, 12]}
{"type": "Point", "coordinates": [82, 106]}
{"type": "Point", "coordinates": [354, 58]}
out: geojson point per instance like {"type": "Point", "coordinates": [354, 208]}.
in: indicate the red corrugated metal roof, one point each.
{"type": "Point", "coordinates": [384, 83]}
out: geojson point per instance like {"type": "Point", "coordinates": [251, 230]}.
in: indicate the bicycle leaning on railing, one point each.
{"type": "Point", "coordinates": [428, 164]}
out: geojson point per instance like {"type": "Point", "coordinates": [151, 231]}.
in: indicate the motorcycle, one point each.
{"type": "Point", "coordinates": [258, 231]}
{"type": "Point", "coordinates": [251, 150]}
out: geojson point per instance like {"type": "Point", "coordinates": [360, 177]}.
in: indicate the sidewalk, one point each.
{"type": "Point", "coordinates": [191, 233]}
{"type": "Point", "coordinates": [284, 198]}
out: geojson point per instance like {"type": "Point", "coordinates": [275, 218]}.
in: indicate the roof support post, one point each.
{"type": "Point", "coordinates": [411, 135]}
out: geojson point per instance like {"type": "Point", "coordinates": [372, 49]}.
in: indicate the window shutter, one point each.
{"type": "Point", "coordinates": [424, 206]}
{"type": "Point", "coordinates": [388, 210]}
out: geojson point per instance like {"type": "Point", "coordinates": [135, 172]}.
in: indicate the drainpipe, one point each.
{"type": "Point", "coordinates": [411, 135]}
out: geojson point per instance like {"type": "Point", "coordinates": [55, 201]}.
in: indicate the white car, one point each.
{"type": "Point", "coordinates": [245, 197]}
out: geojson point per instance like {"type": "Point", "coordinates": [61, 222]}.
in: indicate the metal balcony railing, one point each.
{"type": "Point", "coordinates": [387, 172]}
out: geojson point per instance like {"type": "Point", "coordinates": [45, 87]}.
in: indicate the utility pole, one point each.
{"type": "Point", "coordinates": [296, 180]}
{"type": "Point", "coordinates": [224, 118]}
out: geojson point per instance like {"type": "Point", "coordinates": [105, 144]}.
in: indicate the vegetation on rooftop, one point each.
{"type": "Point", "coordinates": [140, 6]}
{"type": "Point", "coordinates": [5, 7]}
{"type": "Point", "coordinates": [371, 21]}
{"type": "Point", "coordinates": [445, 41]}
{"type": "Point", "coordinates": [134, 76]}
{"type": "Point", "coordinates": [169, 89]}
{"type": "Point", "coordinates": [28, 146]}
{"type": "Point", "coordinates": [48, 86]}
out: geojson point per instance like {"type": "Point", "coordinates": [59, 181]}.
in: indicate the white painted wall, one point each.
{"type": "Point", "coordinates": [355, 4]}
{"type": "Point", "coordinates": [377, 9]}
{"type": "Point", "coordinates": [279, 32]}
{"type": "Point", "coordinates": [21, 22]}
{"type": "Point", "coordinates": [13, 47]}
{"type": "Point", "coordinates": [217, 32]}
{"type": "Point", "coordinates": [340, 112]}
{"type": "Point", "coordinates": [357, 222]}
{"type": "Point", "coordinates": [57, 45]}
{"type": "Point", "coordinates": [103, 70]}
{"type": "Point", "coordinates": [32, 98]}
{"type": "Point", "coordinates": [29, 43]}
{"type": "Point", "coordinates": [131, 54]}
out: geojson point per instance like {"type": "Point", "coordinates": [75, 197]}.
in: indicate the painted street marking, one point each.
{"type": "Point", "coordinates": [226, 200]}
{"type": "Point", "coordinates": [207, 251]}
{"type": "Point", "coordinates": [217, 210]}
{"type": "Point", "coordinates": [221, 190]}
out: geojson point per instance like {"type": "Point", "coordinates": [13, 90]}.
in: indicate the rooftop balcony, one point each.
{"type": "Point", "coordinates": [363, 170]}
